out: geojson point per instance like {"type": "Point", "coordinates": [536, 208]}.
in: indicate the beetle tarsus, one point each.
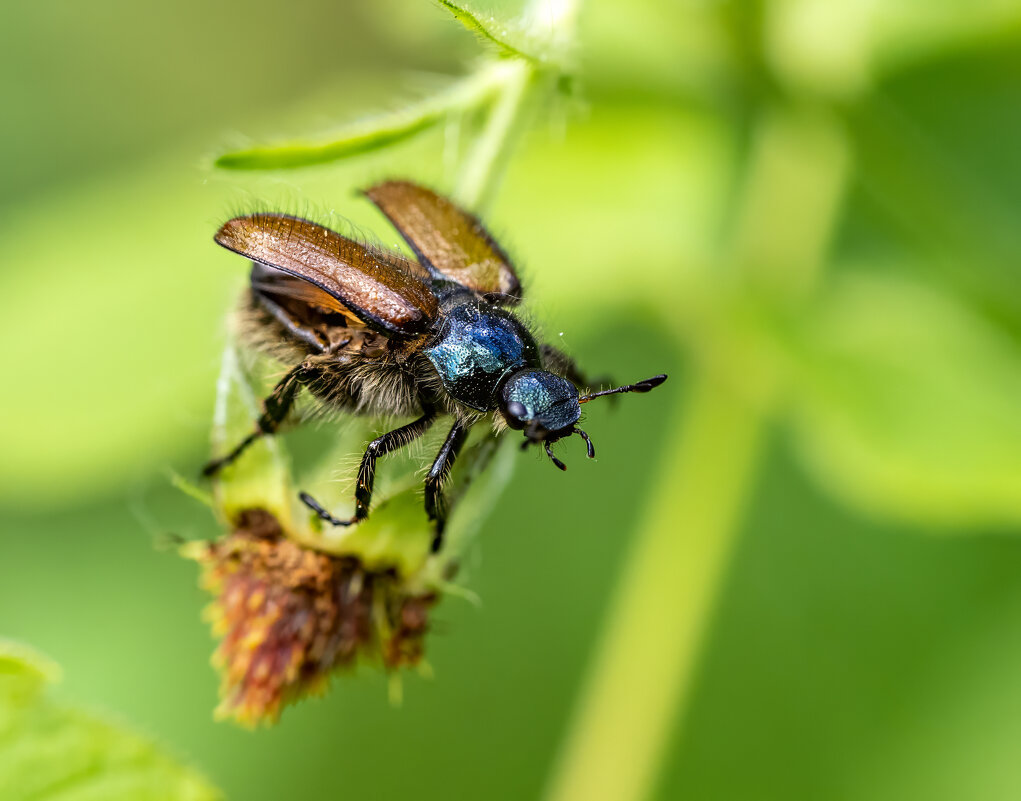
{"type": "Point", "coordinates": [590, 449]}
{"type": "Point", "coordinates": [554, 459]}
{"type": "Point", "coordinates": [316, 507]}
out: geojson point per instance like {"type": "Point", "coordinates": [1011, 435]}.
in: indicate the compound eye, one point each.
{"type": "Point", "coordinates": [517, 410]}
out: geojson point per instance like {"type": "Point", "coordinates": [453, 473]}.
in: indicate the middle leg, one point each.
{"type": "Point", "coordinates": [380, 446]}
{"type": "Point", "coordinates": [434, 505]}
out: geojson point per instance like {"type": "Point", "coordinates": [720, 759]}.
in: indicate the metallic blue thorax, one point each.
{"type": "Point", "coordinates": [478, 346]}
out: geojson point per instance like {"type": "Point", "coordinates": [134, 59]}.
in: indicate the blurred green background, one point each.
{"type": "Point", "coordinates": [864, 642]}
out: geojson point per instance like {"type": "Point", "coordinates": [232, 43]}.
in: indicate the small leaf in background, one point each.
{"type": "Point", "coordinates": [48, 749]}
{"type": "Point", "coordinates": [840, 48]}
{"type": "Point", "coordinates": [938, 179]}
{"type": "Point", "coordinates": [906, 403]}
{"type": "Point", "coordinates": [23, 673]}
{"type": "Point", "coordinates": [487, 28]}
{"type": "Point", "coordinates": [522, 30]}
{"type": "Point", "coordinates": [905, 32]}
{"type": "Point", "coordinates": [362, 137]}
{"type": "Point", "coordinates": [374, 133]}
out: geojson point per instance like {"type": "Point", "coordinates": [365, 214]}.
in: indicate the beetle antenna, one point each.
{"type": "Point", "coordinates": [588, 443]}
{"type": "Point", "coordinates": [646, 385]}
{"type": "Point", "coordinates": [553, 458]}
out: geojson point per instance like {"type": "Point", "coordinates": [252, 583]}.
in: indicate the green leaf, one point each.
{"type": "Point", "coordinates": [907, 32]}
{"type": "Point", "coordinates": [842, 46]}
{"type": "Point", "coordinates": [23, 673]}
{"type": "Point", "coordinates": [489, 29]}
{"type": "Point", "coordinates": [933, 184]}
{"type": "Point", "coordinates": [51, 750]}
{"type": "Point", "coordinates": [906, 404]}
{"type": "Point", "coordinates": [363, 137]}
{"type": "Point", "coordinates": [523, 34]}
{"type": "Point", "coordinates": [372, 133]}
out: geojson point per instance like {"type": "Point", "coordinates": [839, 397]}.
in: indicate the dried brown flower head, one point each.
{"type": "Point", "coordinates": [289, 616]}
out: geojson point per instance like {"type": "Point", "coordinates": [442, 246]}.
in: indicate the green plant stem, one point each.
{"type": "Point", "coordinates": [643, 672]}
{"type": "Point", "coordinates": [672, 574]}
{"type": "Point", "coordinates": [479, 171]}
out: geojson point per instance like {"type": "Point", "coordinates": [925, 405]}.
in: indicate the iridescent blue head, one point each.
{"type": "Point", "coordinates": [547, 407]}
{"type": "Point", "coordinates": [544, 406]}
{"type": "Point", "coordinates": [540, 403]}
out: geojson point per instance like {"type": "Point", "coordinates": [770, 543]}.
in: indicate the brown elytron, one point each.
{"type": "Point", "coordinates": [384, 290]}
{"type": "Point", "coordinates": [447, 239]}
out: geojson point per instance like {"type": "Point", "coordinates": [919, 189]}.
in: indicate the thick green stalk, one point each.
{"type": "Point", "coordinates": [646, 659]}
{"type": "Point", "coordinates": [637, 692]}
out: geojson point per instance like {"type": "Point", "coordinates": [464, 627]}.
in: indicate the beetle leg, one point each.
{"type": "Point", "coordinates": [380, 446]}
{"type": "Point", "coordinates": [317, 507]}
{"type": "Point", "coordinates": [434, 505]}
{"type": "Point", "coordinates": [274, 410]}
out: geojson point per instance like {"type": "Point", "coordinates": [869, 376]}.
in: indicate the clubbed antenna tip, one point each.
{"type": "Point", "coordinates": [646, 385]}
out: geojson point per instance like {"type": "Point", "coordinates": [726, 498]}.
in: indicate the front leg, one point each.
{"type": "Point", "coordinates": [434, 505]}
{"type": "Point", "coordinates": [380, 446]}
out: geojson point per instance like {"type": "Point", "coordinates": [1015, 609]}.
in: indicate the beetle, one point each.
{"type": "Point", "coordinates": [371, 332]}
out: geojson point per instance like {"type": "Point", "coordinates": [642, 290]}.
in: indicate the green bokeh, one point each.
{"type": "Point", "coordinates": [850, 657]}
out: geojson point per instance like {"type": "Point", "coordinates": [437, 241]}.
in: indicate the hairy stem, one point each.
{"type": "Point", "coordinates": [479, 171]}
{"type": "Point", "coordinates": [481, 167]}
